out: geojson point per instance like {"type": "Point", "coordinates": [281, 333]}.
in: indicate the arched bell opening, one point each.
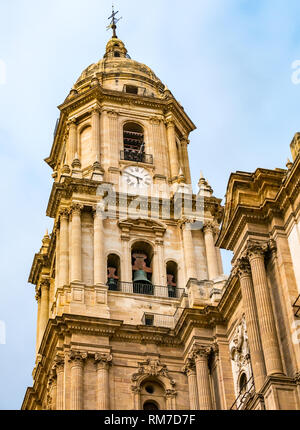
{"type": "Point", "coordinates": [113, 272]}
{"type": "Point", "coordinates": [150, 406]}
{"type": "Point", "coordinates": [172, 276]}
{"type": "Point", "coordinates": [243, 383]}
{"type": "Point", "coordinates": [133, 141]}
{"type": "Point", "coordinates": [141, 260]}
{"type": "Point", "coordinates": [153, 395]}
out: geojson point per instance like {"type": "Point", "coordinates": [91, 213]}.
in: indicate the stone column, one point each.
{"type": "Point", "coordinates": [52, 390]}
{"type": "Point", "coordinates": [76, 360]}
{"type": "Point", "coordinates": [189, 252]}
{"type": "Point", "coordinates": [95, 120]}
{"type": "Point", "coordinates": [249, 305]}
{"type": "Point", "coordinates": [190, 370]}
{"type": "Point", "coordinates": [126, 268]}
{"type": "Point", "coordinates": [64, 248]}
{"type": "Point", "coordinates": [159, 269]}
{"type": "Point", "coordinates": [201, 354]}
{"type": "Point", "coordinates": [170, 400]}
{"type": "Point", "coordinates": [44, 315]}
{"type": "Point", "coordinates": [136, 394]}
{"type": "Point", "coordinates": [266, 320]}
{"type": "Point", "coordinates": [173, 153]}
{"type": "Point", "coordinates": [38, 299]}
{"type": "Point", "coordinates": [73, 149]}
{"type": "Point", "coordinates": [211, 255]}
{"type": "Point", "coordinates": [185, 156]}
{"type": "Point", "coordinates": [76, 272]}
{"type": "Point", "coordinates": [103, 362]}
{"type": "Point", "coordinates": [59, 366]}
{"type": "Point", "coordinates": [99, 256]}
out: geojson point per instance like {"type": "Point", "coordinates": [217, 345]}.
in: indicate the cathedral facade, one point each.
{"type": "Point", "coordinates": [133, 308]}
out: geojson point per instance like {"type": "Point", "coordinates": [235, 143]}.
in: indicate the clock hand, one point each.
{"type": "Point", "coordinates": [131, 175]}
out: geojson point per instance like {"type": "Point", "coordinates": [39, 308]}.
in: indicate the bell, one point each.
{"type": "Point", "coordinates": [140, 277]}
{"type": "Point", "coordinates": [112, 284]}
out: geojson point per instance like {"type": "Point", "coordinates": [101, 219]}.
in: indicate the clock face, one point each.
{"type": "Point", "coordinates": [136, 177]}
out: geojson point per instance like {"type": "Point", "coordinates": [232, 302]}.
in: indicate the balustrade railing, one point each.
{"type": "Point", "coordinates": [147, 289]}
{"type": "Point", "coordinates": [160, 320]}
{"type": "Point", "coordinates": [137, 156]}
{"type": "Point", "coordinates": [246, 392]}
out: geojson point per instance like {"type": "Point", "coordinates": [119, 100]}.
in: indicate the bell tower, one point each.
{"type": "Point", "coordinates": [132, 251]}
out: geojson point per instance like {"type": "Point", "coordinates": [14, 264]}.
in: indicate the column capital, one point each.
{"type": "Point", "coordinates": [185, 140]}
{"type": "Point", "coordinates": [210, 226]}
{"type": "Point", "coordinates": [103, 360]}
{"type": "Point", "coordinates": [272, 246]}
{"type": "Point", "coordinates": [184, 223]}
{"type": "Point", "coordinates": [64, 213]}
{"type": "Point", "coordinates": [201, 352]}
{"type": "Point", "coordinates": [256, 249]}
{"type": "Point", "coordinates": [77, 358]}
{"type": "Point", "coordinates": [45, 282]}
{"type": "Point", "coordinates": [189, 368]}
{"type": "Point", "coordinates": [76, 209]}
{"type": "Point", "coordinates": [95, 110]}
{"type": "Point", "coordinates": [59, 363]}
{"type": "Point", "coordinates": [243, 267]}
{"type": "Point", "coordinates": [37, 293]}
{"type": "Point", "coordinates": [215, 349]}
{"type": "Point", "coordinates": [171, 394]}
{"type": "Point", "coordinates": [72, 121]}
{"type": "Point", "coordinates": [155, 120]}
{"type": "Point", "coordinates": [135, 389]}
{"type": "Point", "coordinates": [170, 123]}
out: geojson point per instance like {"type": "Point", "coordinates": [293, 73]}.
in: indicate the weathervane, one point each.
{"type": "Point", "coordinates": [113, 22]}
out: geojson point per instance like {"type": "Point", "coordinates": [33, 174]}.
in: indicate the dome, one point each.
{"type": "Point", "coordinates": [117, 71]}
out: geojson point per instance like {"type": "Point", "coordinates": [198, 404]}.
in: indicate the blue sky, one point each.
{"type": "Point", "coordinates": [227, 61]}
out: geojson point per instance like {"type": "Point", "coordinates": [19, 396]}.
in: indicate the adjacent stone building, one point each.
{"type": "Point", "coordinates": [134, 311]}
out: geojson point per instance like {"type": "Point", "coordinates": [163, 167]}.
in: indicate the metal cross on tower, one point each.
{"type": "Point", "coordinates": [114, 20]}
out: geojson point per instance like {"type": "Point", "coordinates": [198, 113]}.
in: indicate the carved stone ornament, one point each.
{"type": "Point", "coordinates": [64, 213]}
{"type": "Point", "coordinates": [152, 368]}
{"type": "Point", "coordinates": [77, 357]}
{"type": "Point", "coordinates": [256, 249]}
{"type": "Point", "coordinates": [189, 367]}
{"type": "Point", "coordinates": [76, 209]}
{"type": "Point", "coordinates": [201, 352]}
{"type": "Point", "coordinates": [103, 359]}
{"type": "Point", "coordinates": [211, 226]}
{"type": "Point", "coordinates": [240, 354]}
{"type": "Point", "coordinates": [243, 267]}
{"type": "Point", "coordinates": [59, 363]}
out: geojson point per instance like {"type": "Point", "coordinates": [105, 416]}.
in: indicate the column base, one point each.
{"type": "Point", "coordinates": [277, 393]}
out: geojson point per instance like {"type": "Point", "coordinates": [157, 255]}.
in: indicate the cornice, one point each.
{"type": "Point", "coordinates": [283, 185]}
{"type": "Point", "coordinates": [101, 95]}
{"type": "Point", "coordinates": [40, 261]}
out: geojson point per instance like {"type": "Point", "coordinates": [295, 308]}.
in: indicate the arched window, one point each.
{"type": "Point", "coordinates": [172, 270]}
{"type": "Point", "coordinates": [150, 406]}
{"type": "Point", "coordinates": [152, 394]}
{"type": "Point", "coordinates": [141, 260]}
{"type": "Point", "coordinates": [243, 383]}
{"type": "Point", "coordinates": [133, 139]}
{"type": "Point", "coordinates": [113, 272]}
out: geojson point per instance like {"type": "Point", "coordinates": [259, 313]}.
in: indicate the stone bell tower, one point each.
{"type": "Point", "coordinates": [126, 288]}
